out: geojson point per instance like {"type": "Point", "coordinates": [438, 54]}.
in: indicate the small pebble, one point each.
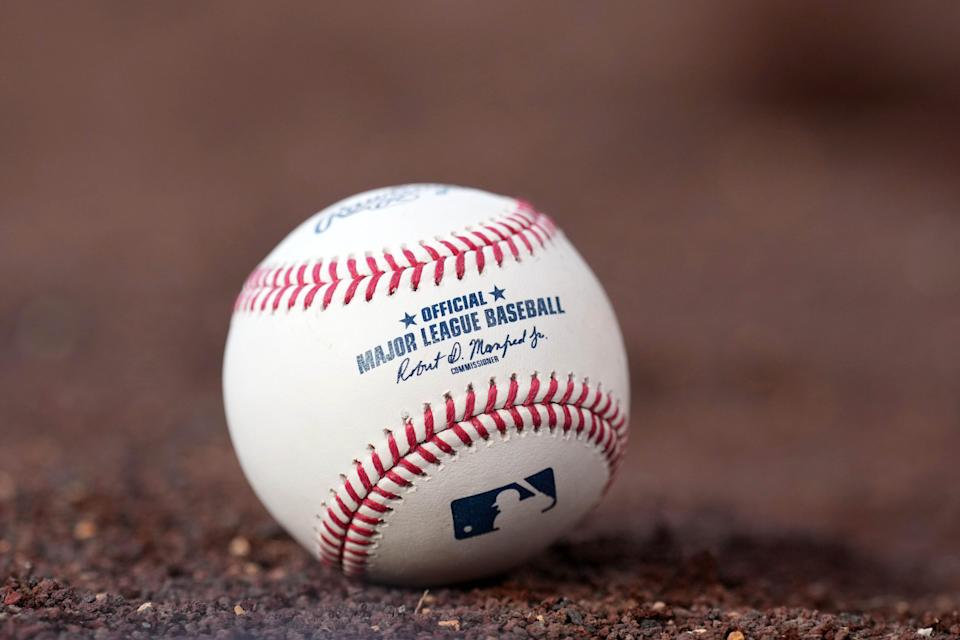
{"type": "Point", "coordinates": [735, 635]}
{"type": "Point", "coordinates": [574, 616]}
{"type": "Point", "coordinates": [240, 611]}
{"type": "Point", "coordinates": [239, 547]}
{"type": "Point", "coordinates": [84, 529]}
{"type": "Point", "coordinates": [926, 632]}
{"type": "Point", "coordinates": [449, 624]}
{"type": "Point", "coordinates": [146, 606]}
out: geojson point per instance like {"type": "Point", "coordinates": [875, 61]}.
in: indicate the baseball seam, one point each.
{"type": "Point", "coordinates": [590, 448]}
{"type": "Point", "coordinates": [303, 284]}
{"type": "Point", "coordinates": [349, 523]}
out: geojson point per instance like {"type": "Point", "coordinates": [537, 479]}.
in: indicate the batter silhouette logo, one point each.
{"type": "Point", "coordinates": [497, 508]}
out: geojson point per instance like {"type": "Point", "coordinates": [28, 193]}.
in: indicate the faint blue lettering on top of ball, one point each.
{"type": "Point", "coordinates": [381, 199]}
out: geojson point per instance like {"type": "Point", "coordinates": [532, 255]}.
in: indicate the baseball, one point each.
{"type": "Point", "coordinates": [426, 384]}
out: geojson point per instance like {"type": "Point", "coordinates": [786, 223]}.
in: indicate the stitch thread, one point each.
{"type": "Point", "coordinates": [274, 286]}
{"type": "Point", "coordinates": [351, 520]}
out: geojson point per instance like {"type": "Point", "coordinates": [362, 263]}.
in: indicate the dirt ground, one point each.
{"type": "Point", "coordinates": [769, 192]}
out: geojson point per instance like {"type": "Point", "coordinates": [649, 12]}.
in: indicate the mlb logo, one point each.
{"type": "Point", "coordinates": [492, 510]}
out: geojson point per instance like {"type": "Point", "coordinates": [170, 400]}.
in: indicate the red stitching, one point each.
{"type": "Point", "coordinates": [350, 523]}
{"type": "Point", "coordinates": [270, 287]}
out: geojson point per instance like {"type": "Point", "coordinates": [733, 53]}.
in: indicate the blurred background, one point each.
{"type": "Point", "coordinates": [769, 192]}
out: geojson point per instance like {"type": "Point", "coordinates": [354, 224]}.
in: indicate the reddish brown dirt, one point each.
{"type": "Point", "coordinates": [769, 193]}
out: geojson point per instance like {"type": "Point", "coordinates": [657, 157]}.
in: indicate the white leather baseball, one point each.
{"type": "Point", "coordinates": [426, 384]}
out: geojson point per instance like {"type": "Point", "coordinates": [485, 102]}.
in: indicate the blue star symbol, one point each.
{"type": "Point", "coordinates": [497, 293]}
{"type": "Point", "coordinates": [408, 320]}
